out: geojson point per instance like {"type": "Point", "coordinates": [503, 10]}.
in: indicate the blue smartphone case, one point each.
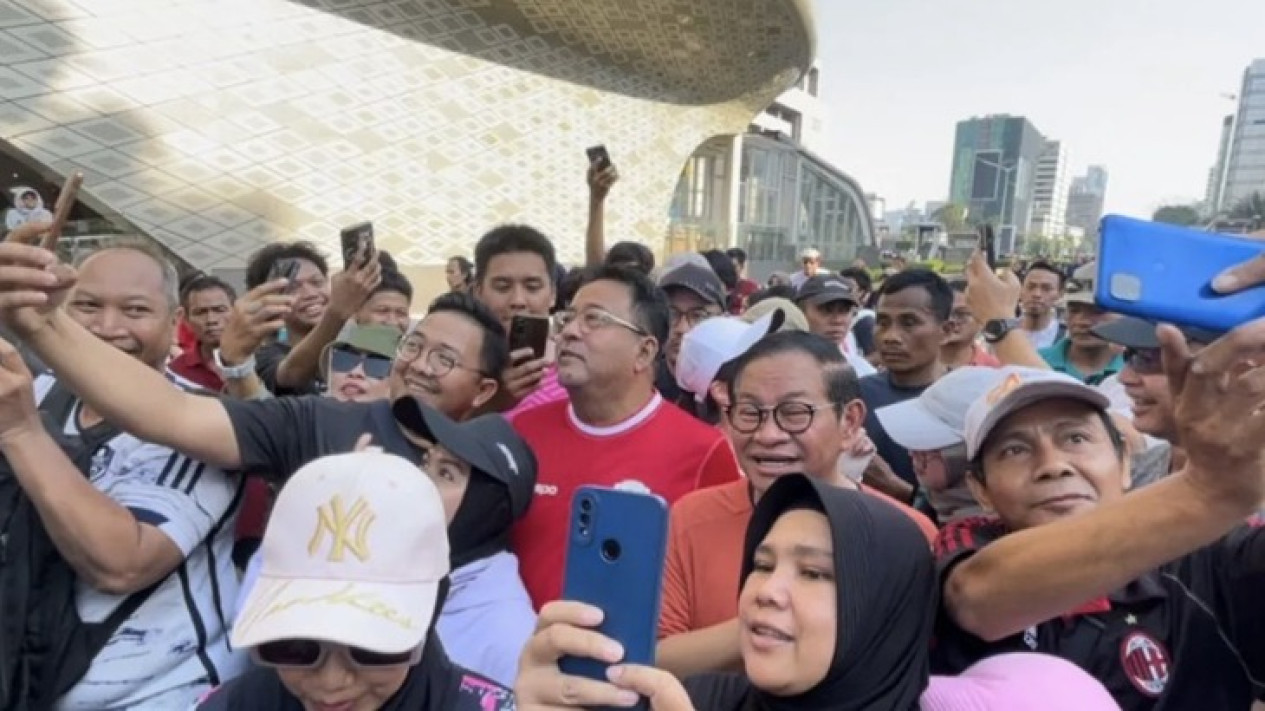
{"type": "Point", "coordinates": [1164, 273]}
{"type": "Point", "coordinates": [616, 544]}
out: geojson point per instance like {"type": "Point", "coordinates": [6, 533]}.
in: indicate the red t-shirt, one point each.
{"type": "Point", "coordinates": [660, 449]}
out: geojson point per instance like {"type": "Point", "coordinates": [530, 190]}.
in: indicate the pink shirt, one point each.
{"type": "Point", "coordinates": [548, 391]}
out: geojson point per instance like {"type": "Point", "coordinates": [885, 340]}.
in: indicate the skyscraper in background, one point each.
{"type": "Point", "coordinates": [1245, 165]}
{"type": "Point", "coordinates": [1085, 200]}
{"type": "Point", "coordinates": [1216, 176]}
{"type": "Point", "coordinates": [1050, 190]}
{"type": "Point", "coordinates": [994, 167]}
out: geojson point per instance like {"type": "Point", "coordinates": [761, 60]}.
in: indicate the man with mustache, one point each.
{"type": "Point", "coordinates": [205, 303]}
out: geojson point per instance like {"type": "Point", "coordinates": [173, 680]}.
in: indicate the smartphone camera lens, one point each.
{"type": "Point", "coordinates": [611, 550]}
{"type": "Point", "coordinates": [586, 504]}
{"type": "Point", "coordinates": [585, 519]}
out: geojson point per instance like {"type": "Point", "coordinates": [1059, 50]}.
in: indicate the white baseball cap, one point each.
{"type": "Point", "coordinates": [713, 343]}
{"type": "Point", "coordinates": [355, 553]}
{"type": "Point", "coordinates": [936, 419]}
{"type": "Point", "coordinates": [1018, 390]}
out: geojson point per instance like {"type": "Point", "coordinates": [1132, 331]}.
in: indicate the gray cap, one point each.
{"type": "Point", "coordinates": [825, 289]}
{"type": "Point", "coordinates": [696, 278]}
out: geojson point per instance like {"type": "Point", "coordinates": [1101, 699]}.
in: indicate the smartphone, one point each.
{"type": "Point", "coordinates": [61, 211]}
{"type": "Point", "coordinates": [529, 332]}
{"type": "Point", "coordinates": [287, 269]}
{"type": "Point", "coordinates": [1164, 273]}
{"type": "Point", "coordinates": [988, 245]}
{"type": "Point", "coordinates": [616, 544]}
{"type": "Point", "coordinates": [357, 240]}
{"type": "Point", "coordinates": [598, 157]}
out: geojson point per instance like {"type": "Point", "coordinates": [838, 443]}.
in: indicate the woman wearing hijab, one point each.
{"type": "Point", "coordinates": [836, 613]}
{"type": "Point", "coordinates": [28, 206]}
{"type": "Point", "coordinates": [486, 475]}
{"type": "Point", "coordinates": [355, 571]}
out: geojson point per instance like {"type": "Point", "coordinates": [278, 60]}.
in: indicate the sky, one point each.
{"type": "Point", "coordinates": [1135, 85]}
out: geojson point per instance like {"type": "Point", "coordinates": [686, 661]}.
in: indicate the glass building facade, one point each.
{"type": "Point", "coordinates": [785, 199]}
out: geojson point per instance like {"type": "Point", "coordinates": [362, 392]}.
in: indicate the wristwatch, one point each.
{"type": "Point", "coordinates": [996, 329]}
{"type": "Point", "coordinates": [234, 372]}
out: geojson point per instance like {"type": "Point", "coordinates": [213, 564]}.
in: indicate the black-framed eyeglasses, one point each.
{"type": "Point", "coordinates": [439, 361]}
{"type": "Point", "coordinates": [310, 653]}
{"type": "Point", "coordinates": [1144, 361]}
{"type": "Point", "coordinates": [790, 417]}
{"type": "Point", "coordinates": [345, 360]}
{"type": "Point", "coordinates": [594, 319]}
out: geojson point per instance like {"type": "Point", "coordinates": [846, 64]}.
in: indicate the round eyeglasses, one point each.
{"type": "Point", "coordinates": [790, 417]}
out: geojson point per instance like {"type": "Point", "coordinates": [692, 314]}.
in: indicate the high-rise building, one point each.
{"type": "Point", "coordinates": [994, 166]}
{"type": "Point", "coordinates": [1049, 191]}
{"type": "Point", "coordinates": [1085, 200]}
{"type": "Point", "coordinates": [1245, 166]}
{"type": "Point", "coordinates": [1216, 176]}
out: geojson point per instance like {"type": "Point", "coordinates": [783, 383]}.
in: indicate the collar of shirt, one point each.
{"type": "Point", "coordinates": [1056, 357]}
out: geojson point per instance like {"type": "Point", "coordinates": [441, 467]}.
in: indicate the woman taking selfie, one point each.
{"type": "Point", "coordinates": [836, 613]}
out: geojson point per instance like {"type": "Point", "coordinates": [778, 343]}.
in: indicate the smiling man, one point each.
{"type": "Point", "coordinates": [1157, 592]}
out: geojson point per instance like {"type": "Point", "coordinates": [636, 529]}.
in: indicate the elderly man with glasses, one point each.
{"type": "Point", "coordinates": [615, 429]}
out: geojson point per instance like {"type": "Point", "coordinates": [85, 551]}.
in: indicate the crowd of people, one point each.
{"type": "Point", "coordinates": [911, 492]}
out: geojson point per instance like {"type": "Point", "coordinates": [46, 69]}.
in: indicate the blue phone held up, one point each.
{"type": "Point", "coordinates": [616, 544]}
{"type": "Point", "coordinates": [1164, 273]}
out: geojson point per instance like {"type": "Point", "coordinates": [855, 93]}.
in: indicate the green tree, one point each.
{"type": "Point", "coordinates": [1250, 207]}
{"type": "Point", "coordinates": [1184, 215]}
{"type": "Point", "coordinates": [952, 216]}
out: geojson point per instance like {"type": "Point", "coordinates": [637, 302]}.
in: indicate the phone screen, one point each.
{"type": "Point", "coordinates": [287, 269]}
{"type": "Point", "coordinates": [357, 240]}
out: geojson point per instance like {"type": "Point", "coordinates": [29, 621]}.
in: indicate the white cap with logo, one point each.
{"type": "Point", "coordinates": [1018, 390]}
{"type": "Point", "coordinates": [354, 553]}
{"type": "Point", "coordinates": [936, 419]}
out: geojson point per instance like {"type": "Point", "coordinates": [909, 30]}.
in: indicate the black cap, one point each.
{"type": "Point", "coordinates": [487, 443]}
{"type": "Point", "coordinates": [1132, 332]}
{"type": "Point", "coordinates": [825, 289]}
{"type": "Point", "coordinates": [697, 278]}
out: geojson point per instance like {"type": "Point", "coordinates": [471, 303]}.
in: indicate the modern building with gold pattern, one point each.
{"type": "Point", "coordinates": [216, 126]}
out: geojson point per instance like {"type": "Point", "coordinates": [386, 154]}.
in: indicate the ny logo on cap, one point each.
{"type": "Point", "coordinates": [509, 457]}
{"type": "Point", "coordinates": [347, 529]}
{"type": "Point", "coordinates": [1006, 387]}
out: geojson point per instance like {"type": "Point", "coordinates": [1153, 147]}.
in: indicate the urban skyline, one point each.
{"type": "Point", "coordinates": [1239, 169]}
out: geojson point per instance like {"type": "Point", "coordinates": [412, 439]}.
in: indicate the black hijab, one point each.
{"type": "Point", "coordinates": [481, 526]}
{"type": "Point", "coordinates": [886, 593]}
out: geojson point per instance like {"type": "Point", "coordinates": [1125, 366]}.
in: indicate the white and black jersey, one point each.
{"type": "Point", "coordinates": [175, 646]}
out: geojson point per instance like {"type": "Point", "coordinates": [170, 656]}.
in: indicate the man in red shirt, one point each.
{"type": "Point", "coordinates": [205, 303]}
{"type": "Point", "coordinates": [616, 430]}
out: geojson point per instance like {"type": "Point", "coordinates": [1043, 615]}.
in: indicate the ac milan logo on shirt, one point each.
{"type": "Point", "coordinates": [1146, 663]}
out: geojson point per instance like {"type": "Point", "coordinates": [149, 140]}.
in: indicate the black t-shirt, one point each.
{"type": "Point", "coordinates": [277, 437]}
{"type": "Point", "coordinates": [268, 359]}
{"type": "Point", "coordinates": [665, 381]}
{"type": "Point", "coordinates": [1186, 636]}
{"type": "Point", "coordinates": [877, 391]}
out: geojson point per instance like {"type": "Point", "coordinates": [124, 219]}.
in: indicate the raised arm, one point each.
{"type": "Point", "coordinates": [134, 397]}
{"type": "Point", "coordinates": [1028, 577]}
{"type": "Point", "coordinates": [600, 183]}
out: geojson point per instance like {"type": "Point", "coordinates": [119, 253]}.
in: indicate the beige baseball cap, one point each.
{"type": "Point", "coordinates": [355, 553]}
{"type": "Point", "coordinates": [1018, 389]}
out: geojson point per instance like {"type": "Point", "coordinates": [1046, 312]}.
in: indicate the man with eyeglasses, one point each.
{"type": "Point", "coordinates": [450, 361]}
{"type": "Point", "coordinates": [695, 293]}
{"type": "Point", "coordinates": [795, 408]}
{"type": "Point", "coordinates": [615, 430]}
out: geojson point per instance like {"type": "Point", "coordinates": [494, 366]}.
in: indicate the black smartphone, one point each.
{"type": "Point", "coordinates": [287, 269]}
{"type": "Point", "coordinates": [529, 332]}
{"type": "Point", "coordinates": [988, 245]}
{"type": "Point", "coordinates": [356, 240]}
{"type": "Point", "coordinates": [598, 157]}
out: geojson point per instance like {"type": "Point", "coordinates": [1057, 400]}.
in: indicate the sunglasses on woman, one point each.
{"type": "Point", "coordinates": [310, 653]}
{"type": "Point", "coordinates": [345, 360]}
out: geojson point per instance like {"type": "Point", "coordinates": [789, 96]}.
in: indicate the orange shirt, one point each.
{"type": "Point", "coordinates": [705, 536]}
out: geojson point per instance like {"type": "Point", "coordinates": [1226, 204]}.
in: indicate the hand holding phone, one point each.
{"type": "Point", "coordinates": [287, 269]}
{"type": "Point", "coordinates": [617, 543]}
{"type": "Point", "coordinates": [529, 332]}
{"type": "Point", "coordinates": [598, 157]}
{"type": "Point", "coordinates": [988, 245]}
